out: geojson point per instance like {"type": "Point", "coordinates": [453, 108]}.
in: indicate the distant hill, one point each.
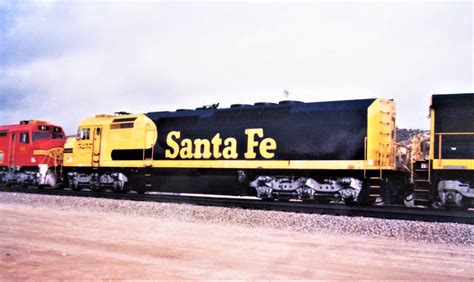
{"type": "Point", "coordinates": [404, 134]}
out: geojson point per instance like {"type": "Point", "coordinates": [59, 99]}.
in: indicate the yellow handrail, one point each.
{"type": "Point", "coordinates": [365, 157]}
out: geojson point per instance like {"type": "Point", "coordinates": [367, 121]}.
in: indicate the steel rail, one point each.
{"type": "Point", "coordinates": [385, 212]}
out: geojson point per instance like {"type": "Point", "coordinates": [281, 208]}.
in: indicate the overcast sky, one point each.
{"type": "Point", "coordinates": [66, 61]}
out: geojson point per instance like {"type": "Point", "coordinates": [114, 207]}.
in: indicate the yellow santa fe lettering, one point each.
{"type": "Point", "coordinates": [251, 143]}
{"type": "Point", "coordinates": [187, 149]}
{"type": "Point", "coordinates": [230, 151]}
{"type": "Point", "coordinates": [202, 149]}
{"type": "Point", "coordinates": [264, 147]}
{"type": "Point", "coordinates": [216, 146]}
{"type": "Point", "coordinates": [171, 154]}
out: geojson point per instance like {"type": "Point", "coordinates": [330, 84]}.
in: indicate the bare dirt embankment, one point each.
{"type": "Point", "coordinates": [45, 237]}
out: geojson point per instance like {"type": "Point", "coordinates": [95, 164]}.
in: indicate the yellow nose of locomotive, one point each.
{"type": "Point", "coordinates": [100, 138]}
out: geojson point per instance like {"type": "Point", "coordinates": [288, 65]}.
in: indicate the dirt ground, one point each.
{"type": "Point", "coordinates": [50, 243]}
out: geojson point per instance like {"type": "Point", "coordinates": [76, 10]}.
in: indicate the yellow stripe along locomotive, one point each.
{"type": "Point", "coordinates": [327, 151]}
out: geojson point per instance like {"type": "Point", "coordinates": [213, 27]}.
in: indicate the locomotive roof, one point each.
{"type": "Point", "coordinates": [464, 99]}
{"type": "Point", "coordinates": [296, 107]}
{"type": "Point", "coordinates": [20, 126]}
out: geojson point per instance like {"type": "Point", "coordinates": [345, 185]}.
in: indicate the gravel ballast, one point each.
{"type": "Point", "coordinates": [445, 233]}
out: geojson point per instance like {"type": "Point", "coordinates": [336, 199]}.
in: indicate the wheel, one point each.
{"type": "Point", "coordinates": [120, 187]}
{"type": "Point", "coordinates": [63, 183]}
{"type": "Point", "coordinates": [386, 191]}
{"type": "Point", "coordinates": [135, 183]}
{"type": "Point", "coordinates": [453, 201]}
{"type": "Point", "coordinates": [363, 198]}
{"type": "Point", "coordinates": [139, 189]}
{"type": "Point", "coordinates": [350, 202]}
{"type": "Point", "coordinates": [75, 187]}
{"type": "Point", "coordinates": [95, 187]}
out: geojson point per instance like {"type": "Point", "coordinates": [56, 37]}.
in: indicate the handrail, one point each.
{"type": "Point", "coordinates": [412, 163]}
{"type": "Point", "coordinates": [440, 147]}
{"type": "Point", "coordinates": [429, 170]}
{"type": "Point", "coordinates": [148, 161]}
{"type": "Point", "coordinates": [440, 141]}
{"type": "Point", "coordinates": [365, 157]}
{"type": "Point", "coordinates": [381, 160]}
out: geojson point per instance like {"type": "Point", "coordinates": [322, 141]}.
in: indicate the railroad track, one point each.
{"type": "Point", "coordinates": [387, 212]}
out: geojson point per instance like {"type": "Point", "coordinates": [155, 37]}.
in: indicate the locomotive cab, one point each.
{"type": "Point", "coordinates": [90, 161]}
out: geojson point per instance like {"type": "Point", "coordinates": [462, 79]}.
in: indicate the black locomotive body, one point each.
{"type": "Point", "coordinates": [302, 131]}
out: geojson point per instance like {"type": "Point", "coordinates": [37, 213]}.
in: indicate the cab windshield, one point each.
{"type": "Point", "coordinates": [83, 134]}
{"type": "Point", "coordinates": [40, 135]}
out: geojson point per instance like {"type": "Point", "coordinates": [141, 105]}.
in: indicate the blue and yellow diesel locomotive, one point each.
{"type": "Point", "coordinates": [341, 151]}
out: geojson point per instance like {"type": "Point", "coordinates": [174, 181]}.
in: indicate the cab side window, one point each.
{"type": "Point", "coordinates": [24, 138]}
{"type": "Point", "coordinates": [83, 134]}
{"type": "Point", "coordinates": [58, 133]}
{"type": "Point", "coordinates": [57, 136]}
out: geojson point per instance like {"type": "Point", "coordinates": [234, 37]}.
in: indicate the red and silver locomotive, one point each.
{"type": "Point", "coordinates": [28, 148]}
